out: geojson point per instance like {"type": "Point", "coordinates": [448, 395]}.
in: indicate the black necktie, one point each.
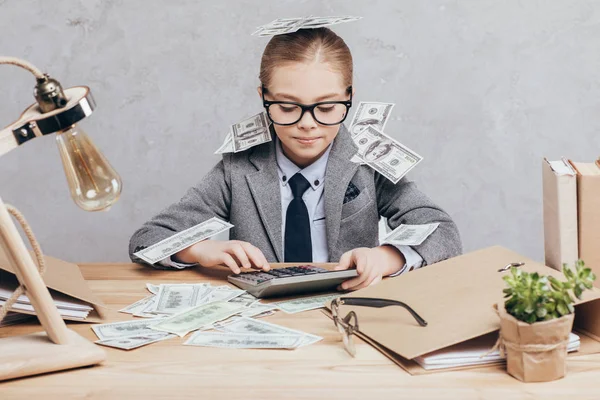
{"type": "Point", "coordinates": [298, 246]}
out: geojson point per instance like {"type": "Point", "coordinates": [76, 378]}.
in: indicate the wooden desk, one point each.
{"type": "Point", "coordinates": [321, 371]}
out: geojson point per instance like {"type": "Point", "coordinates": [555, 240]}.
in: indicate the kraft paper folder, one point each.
{"type": "Point", "coordinates": [66, 278]}
{"type": "Point", "coordinates": [456, 298]}
{"type": "Point", "coordinates": [560, 213]}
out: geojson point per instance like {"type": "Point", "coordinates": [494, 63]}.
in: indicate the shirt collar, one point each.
{"type": "Point", "coordinates": [314, 173]}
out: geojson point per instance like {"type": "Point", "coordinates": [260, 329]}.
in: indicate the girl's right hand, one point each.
{"type": "Point", "coordinates": [235, 254]}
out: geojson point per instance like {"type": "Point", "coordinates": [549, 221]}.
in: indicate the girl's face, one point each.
{"type": "Point", "coordinates": [305, 83]}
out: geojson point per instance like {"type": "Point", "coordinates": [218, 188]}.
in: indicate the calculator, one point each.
{"type": "Point", "coordinates": [290, 280]}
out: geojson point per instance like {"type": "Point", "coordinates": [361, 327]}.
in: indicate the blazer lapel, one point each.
{"type": "Point", "coordinates": [339, 172]}
{"type": "Point", "coordinates": [264, 186]}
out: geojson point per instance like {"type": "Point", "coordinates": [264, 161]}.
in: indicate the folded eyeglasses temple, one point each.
{"type": "Point", "coordinates": [379, 303]}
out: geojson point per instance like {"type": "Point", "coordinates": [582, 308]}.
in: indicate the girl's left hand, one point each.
{"type": "Point", "coordinates": [371, 264]}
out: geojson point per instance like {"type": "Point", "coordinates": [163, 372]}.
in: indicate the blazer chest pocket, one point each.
{"type": "Point", "coordinates": [352, 207]}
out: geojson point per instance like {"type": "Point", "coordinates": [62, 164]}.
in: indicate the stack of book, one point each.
{"type": "Point", "coordinates": [572, 213]}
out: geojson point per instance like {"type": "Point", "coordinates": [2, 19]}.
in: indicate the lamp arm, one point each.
{"type": "Point", "coordinates": [54, 111]}
{"type": "Point", "coordinates": [7, 139]}
{"type": "Point", "coordinates": [23, 64]}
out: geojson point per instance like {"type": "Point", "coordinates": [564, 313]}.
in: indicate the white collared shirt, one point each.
{"type": "Point", "coordinates": [315, 203]}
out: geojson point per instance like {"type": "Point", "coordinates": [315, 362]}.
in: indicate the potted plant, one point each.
{"type": "Point", "coordinates": [536, 321]}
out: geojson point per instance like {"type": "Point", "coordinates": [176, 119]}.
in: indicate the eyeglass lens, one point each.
{"type": "Point", "coordinates": [323, 114]}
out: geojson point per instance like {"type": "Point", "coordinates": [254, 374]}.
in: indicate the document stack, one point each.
{"type": "Point", "coordinates": [68, 307]}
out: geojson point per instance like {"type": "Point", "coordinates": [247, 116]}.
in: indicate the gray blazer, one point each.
{"type": "Point", "coordinates": [243, 189]}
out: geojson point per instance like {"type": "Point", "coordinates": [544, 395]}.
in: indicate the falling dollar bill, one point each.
{"type": "Point", "coordinates": [306, 303]}
{"type": "Point", "coordinates": [243, 340]}
{"type": "Point", "coordinates": [206, 314]}
{"type": "Point", "coordinates": [384, 154]}
{"type": "Point", "coordinates": [410, 235]}
{"type": "Point", "coordinates": [135, 341]}
{"type": "Point", "coordinates": [179, 241]}
{"type": "Point", "coordinates": [227, 146]}
{"type": "Point", "coordinates": [250, 132]}
{"type": "Point", "coordinates": [370, 114]}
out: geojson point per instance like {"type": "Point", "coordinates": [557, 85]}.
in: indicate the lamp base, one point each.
{"type": "Point", "coordinates": [36, 354]}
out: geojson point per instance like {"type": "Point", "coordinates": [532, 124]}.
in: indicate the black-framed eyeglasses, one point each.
{"type": "Point", "coordinates": [349, 324]}
{"type": "Point", "coordinates": [289, 113]}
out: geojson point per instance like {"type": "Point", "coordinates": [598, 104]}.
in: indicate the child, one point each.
{"type": "Point", "coordinates": [299, 198]}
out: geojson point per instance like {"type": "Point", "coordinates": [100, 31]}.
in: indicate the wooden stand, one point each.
{"type": "Point", "coordinates": [59, 348]}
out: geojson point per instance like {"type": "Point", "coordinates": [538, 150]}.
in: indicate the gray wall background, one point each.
{"type": "Point", "coordinates": [483, 90]}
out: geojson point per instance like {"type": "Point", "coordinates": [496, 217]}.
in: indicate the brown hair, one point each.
{"type": "Point", "coordinates": [307, 45]}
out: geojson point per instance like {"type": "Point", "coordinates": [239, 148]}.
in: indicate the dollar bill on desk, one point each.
{"type": "Point", "coordinates": [177, 297]}
{"type": "Point", "coordinates": [152, 288]}
{"type": "Point", "coordinates": [253, 326]}
{"type": "Point", "coordinates": [370, 114]}
{"type": "Point", "coordinates": [195, 318]}
{"type": "Point", "coordinates": [384, 154]}
{"type": "Point", "coordinates": [135, 341]}
{"type": "Point", "coordinates": [179, 241]}
{"type": "Point", "coordinates": [139, 305]}
{"type": "Point", "coordinates": [125, 328]}
{"type": "Point", "coordinates": [306, 303]}
{"type": "Point", "coordinates": [243, 340]}
{"type": "Point", "coordinates": [410, 235]}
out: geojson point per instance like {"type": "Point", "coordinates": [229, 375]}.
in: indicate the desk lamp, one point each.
{"type": "Point", "coordinates": [94, 186]}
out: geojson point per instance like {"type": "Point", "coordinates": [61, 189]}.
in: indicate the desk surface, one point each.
{"type": "Point", "coordinates": [323, 370]}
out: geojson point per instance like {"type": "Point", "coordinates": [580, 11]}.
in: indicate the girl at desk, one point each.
{"type": "Point", "coordinates": [300, 198]}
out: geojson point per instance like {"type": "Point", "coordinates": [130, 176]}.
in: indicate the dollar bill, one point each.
{"type": "Point", "coordinates": [227, 146]}
{"type": "Point", "coordinates": [195, 318]}
{"type": "Point", "coordinates": [262, 314]}
{"type": "Point", "coordinates": [171, 245]}
{"type": "Point", "coordinates": [280, 26]}
{"type": "Point", "coordinates": [410, 235]}
{"type": "Point", "coordinates": [259, 310]}
{"type": "Point", "coordinates": [245, 299]}
{"type": "Point", "coordinates": [135, 341]}
{"type": "Point", "coordinates": [152, 288]}
{"type": "Point", "coordinates": [243, 341]}
{"type": "Point", "coordinates": [384, 154]}
{"type": "Point", "coordinates": [288, 25]}
{"type": "Point", "coordinates": [319, 22]}
{"type": "Point", "coordinates": [306, 303]}
{"type": "Point", "coordinates": [224, 295]}
{"type": "Point", "coordinates": [370, 114]}
{"type": "Point", "coordinates": [250, 132]}
{"type": "Point", "coordinates": [138, 306]}
{"type": "Point", "coordinates": [174, 298]}
{"type": "Point", "coordinates": [125, 328]}
{"type": "Point", "coordinates": [253, 326]}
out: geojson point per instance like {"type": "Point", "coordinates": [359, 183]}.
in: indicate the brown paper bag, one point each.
{"type": "Point", "coordinates": [535, 352]}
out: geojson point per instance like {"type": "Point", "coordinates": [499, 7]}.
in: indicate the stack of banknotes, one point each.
{"type": "Point", "coordinates": [219, 316]}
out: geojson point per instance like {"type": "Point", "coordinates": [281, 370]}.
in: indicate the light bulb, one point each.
{"type": "Point", "coordinates": [93, 182]}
